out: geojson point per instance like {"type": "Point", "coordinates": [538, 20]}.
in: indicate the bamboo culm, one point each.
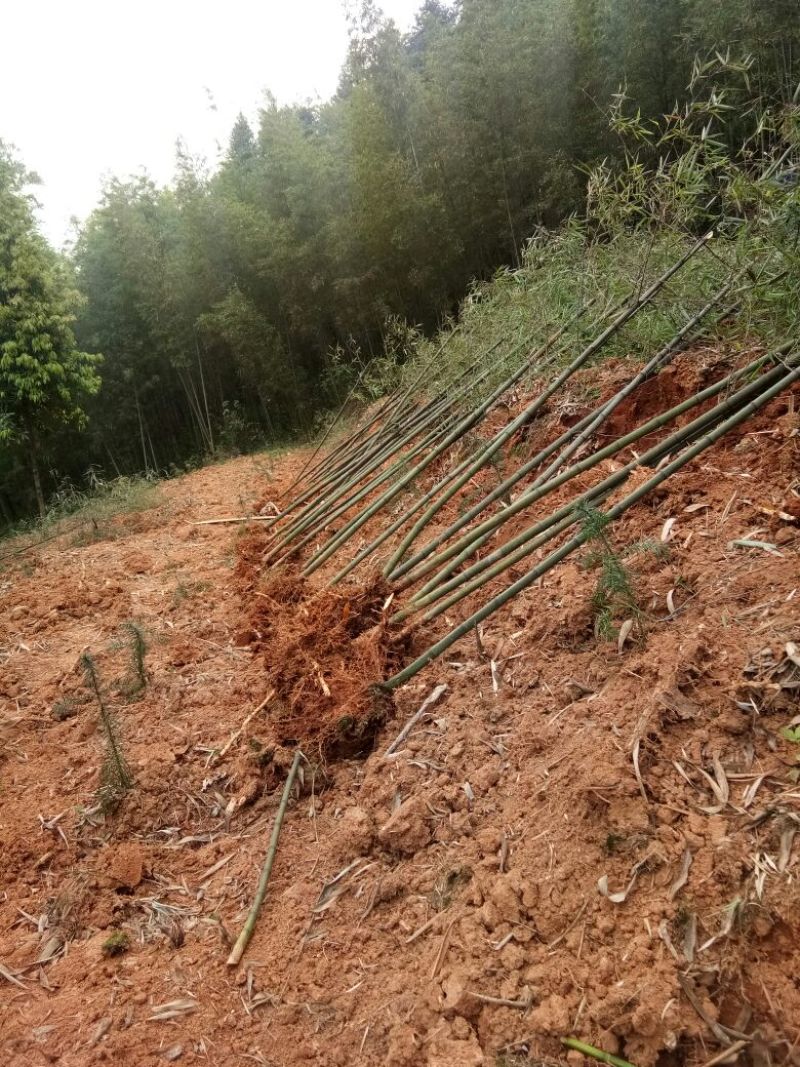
{"type": "Point", "coordinates": [469, 542]}
{"type": "Point", "coordinates": [243, 939]}
{"type": "Point", "coordinates": [474, 461]}
{"type": "Point", "coordinates": [362, 466]}
{"type": "Point", "coordinates": [402, 409]}
{"type": "Point", "coordinates": [470, 468]}
{"type": "Point", "coordinates": [396, 570]}
{"type": "Point", "coordinates": [561, 553]}
{"type": "Point", "coordinates": [456, 433]}
{"type": "Point", "coordinates": [439, 585]}
{"type": "Point", "coordinates": [392, 569]}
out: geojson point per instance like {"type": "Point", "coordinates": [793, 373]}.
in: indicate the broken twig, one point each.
{"type": "Point", "coordinates": [429, 700]}
{"type": "Point", "coordinates": [235, 736]}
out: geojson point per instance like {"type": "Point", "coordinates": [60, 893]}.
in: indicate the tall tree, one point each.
{"type": "Point", "coordinates": [44, 377]}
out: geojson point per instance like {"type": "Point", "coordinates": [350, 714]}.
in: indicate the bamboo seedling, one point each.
{"type": "Point", "coordinates": [115, 776]}
{"type": "Point", "coordinates": [594, 1053]}
{"type": "Point", "coordinates": [614, 591]}
{"type": "Point", "coordinates": [138, 649]}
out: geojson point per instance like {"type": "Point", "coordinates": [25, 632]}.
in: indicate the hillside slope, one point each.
{"type": "Point", "coordinates": [439, 906]}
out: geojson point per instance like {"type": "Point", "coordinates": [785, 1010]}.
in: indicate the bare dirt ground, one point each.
{"type": "Point", "coordinates": [440, 907]}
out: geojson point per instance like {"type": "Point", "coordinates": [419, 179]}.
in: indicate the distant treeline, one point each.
{"type": "Point", "coordinates": [239, 302]}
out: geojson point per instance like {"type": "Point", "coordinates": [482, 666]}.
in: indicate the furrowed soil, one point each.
{"type": "Point", "coordinates": [582, 838]}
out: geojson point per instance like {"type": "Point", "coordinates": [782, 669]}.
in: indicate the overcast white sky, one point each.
{"type": "Point", "coordinates": [92, 87]}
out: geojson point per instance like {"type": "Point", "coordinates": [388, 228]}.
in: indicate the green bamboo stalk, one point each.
{"type": "Point", "coordinates": [405, 403]}
{"type": "Point", "coordinates": [573, 438]}
{"type": "Point", "coordinates": [362, 444]}
{"type": "Point", "coordinates": [400, 397]}
{"type": "Point", "coordinates": [469, 469]}
{"type": "Point", "coordinates": [467, 423]}
{"type": "Point", "coordinates": [439, 584]}
{"type": "Point", "coordinates": [243, 939]}
{"type": "Point", "coordinates": [432, 414]}
{"type": "Point", "coordinates": [357, 451]}
{"type": "Point", "coordinates": [474, 461]}
{"type": "Point", "coordinates": [393, 528]}
{"type": "Point", "coordinates": [428, 415]}
{"type": "Point", "coordinates": [394, 569]}
{"type": "Point", "coordinates": [564, 550]}
{"type": "Point", "coordinates": [533, 537]}
{"type": "Point", "coordinates": [662, 359]}
{"type": "Point", "coordinates": [318, 498]}
{"type": "Point", "coordinates": [390, 415]}
{"type": "Point", "coordinates": [468, 543]}
{"type": "Point", "coordinates": [326, 514]}
{"type": "Point", "coordinates": [331, 427]}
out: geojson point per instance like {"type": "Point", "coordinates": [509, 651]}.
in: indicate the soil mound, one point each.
{"type": "Point", "coordinates": [323, 651]}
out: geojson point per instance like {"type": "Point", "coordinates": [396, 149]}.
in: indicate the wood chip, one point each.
{"type": "Point", "coordinates": [749, 795]}
{"type": "Point", "coordinates": [722, 1034]}
{"type": "Point", "coordinates": [719, 786]}
{"type": "Point", "coordinates": [50, 949]}
{"type": "Point", "coordinates": [503, 1002]}
{"type": "Point", "coordinates": [101, 1030]}
{"type": "Point", "coordinates": [765, 546]}
{"type": "Point", "coordinates": [430, 700]}
{"type": "Point", "coordinates": [690, 938]}
{"type": "Point", "coordinates": [621, 896]}
{"type": "Point", "coordinates": [727, 1055]}
{"type": "Point", "coordinates": [624, 634]}
{"type": "Point", "coordinates": [173, 1009]}
{"type": "Point", "coordinates": [681, 706]}
{"type": "Point", "coordinates": [787, 840]}
{"type": "Point", "coordinates": [216, 867]}
{"type": "Point", "coordinates": [637, 771]}
{"type": "Point", "coordinates": [442, 949]}
{"type": "Point", "coordinates": [422, 929]}
{"type": "Point", "coordinates": [9, 977]}
{"type": "Point", "coordinates": [683, 874]}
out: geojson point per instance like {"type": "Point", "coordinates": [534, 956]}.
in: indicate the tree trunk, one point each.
{"type": "Point", "coordinates": [8, 519]}
{"type": "Point", "coordinates": [33, 438]}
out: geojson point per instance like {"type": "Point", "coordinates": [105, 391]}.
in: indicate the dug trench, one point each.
{"type": "Point", "coordinates": [580, 839]}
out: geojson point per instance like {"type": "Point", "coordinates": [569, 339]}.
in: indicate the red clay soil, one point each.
{"type": "Point", "coordinates": [323, 652]}
{"type": "Point", "coordinates": [577, 840]}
